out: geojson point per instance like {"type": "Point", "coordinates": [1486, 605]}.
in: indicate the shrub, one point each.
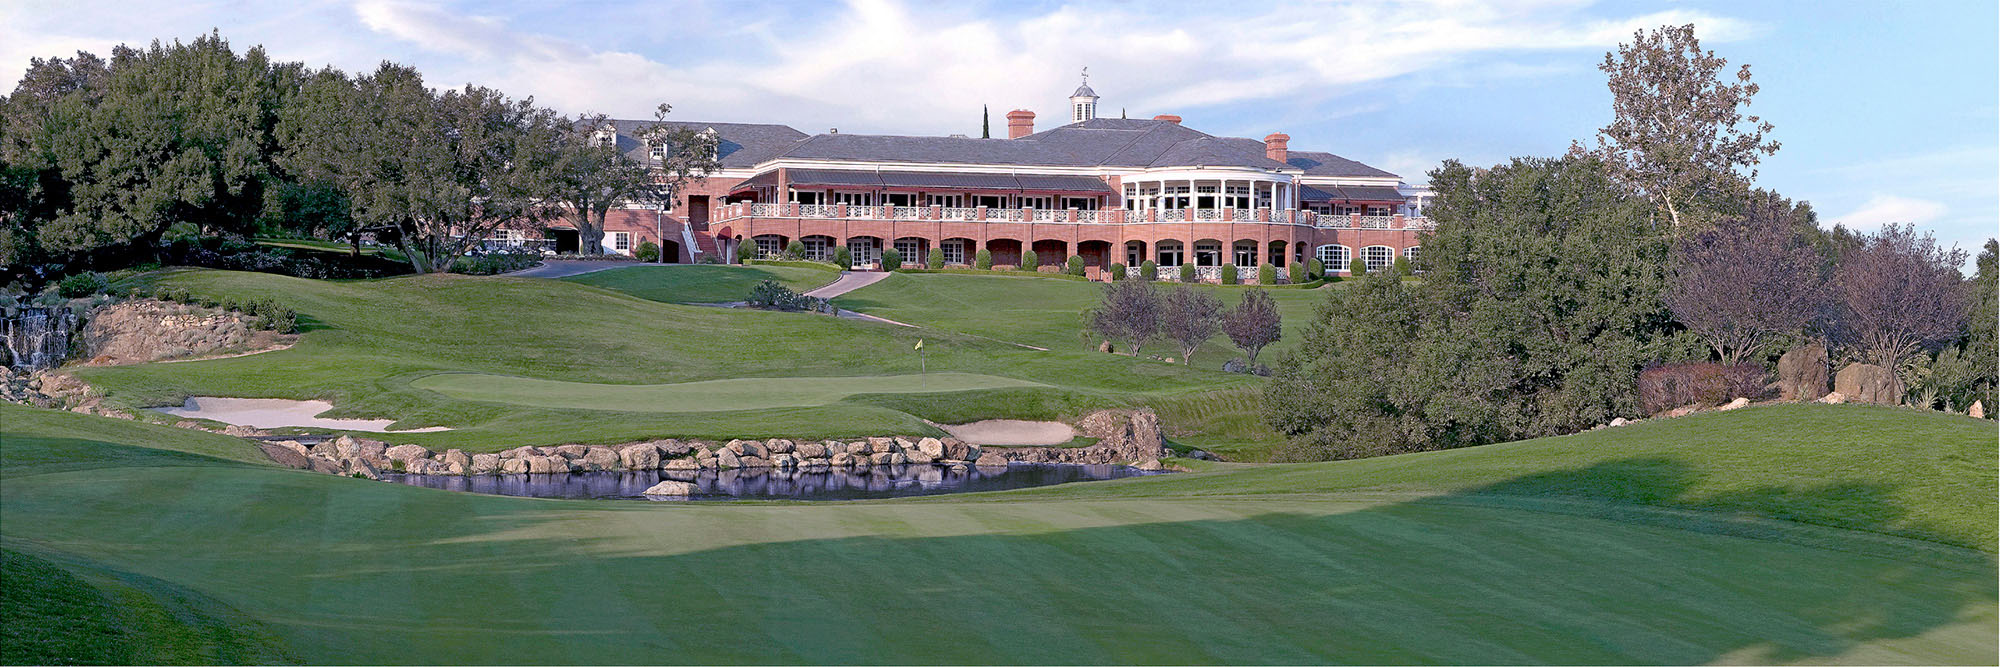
{"type": "Point", "coordinates": [775, 296]}
{"type": "Point", "coordinates": [796, 250]}
{"type": "Point", "coordinates": [1029, 261]}
{"type": "Point", "coordinates": [1297, 273]}
{"type": "Point", "coordinates": [1229, 274]}
{"type": "Point", "coordinates": [1315, 269]}
{"type": "Point", "coordinates": [935, 258]}
{"type": "Point", "coordinates": [82, 285]}
{"type": "Point", "coordinates": [1669, 386]}
{"type": "Point", "coordinates": [1357, 268]}
{"type": "Point", "coordinates": [1074, 266]}
{"type": "Point", "coordinates": [745, 252]}
{"type": "Point", "coordinates": [983, 260]}
{"type": "Point", "coordinates": [1149, 270]}
{"type": "Point", "coordinates": [1402, 267]}
{"type": "Point", "coordinates": [1267, 274]}
{"type": "Point", "coordinates": [648, 251]}
{"type": "Point", "coordinates": [1187, 273]}
{"type": "Point", "coordinates": [891, 259]}
{"type": "Point", "coordinates": [1117, 271]}
{"type": "Point", "coordinates": [843, 258]}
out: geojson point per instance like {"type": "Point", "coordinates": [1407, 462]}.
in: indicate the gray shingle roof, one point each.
{"type": "Point", "coordinates": [931, 179]}
{"type": "Point", "coordinates": [1362, 193]}
{"type": "Point", "coordinates": [1084, 91]}
{"type": "Point", "coordinates": [1317, 163]}
{"type": "Point", "coordinates": [739, 145]}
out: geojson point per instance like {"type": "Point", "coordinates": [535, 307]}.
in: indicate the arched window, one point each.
{"type": "Point", "coordinates": [1378, 257]}
{"type": "Point", "coordinates": [1410, 253]}
{"type": "Point", "coordinates": [1334, 257]}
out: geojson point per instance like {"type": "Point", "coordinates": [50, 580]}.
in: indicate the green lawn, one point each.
{"type": "Point", "coordinates": [702, 283]}
{"type": "Point", "coordinates": [1046, 312]}
{"type": "Point", "coordinates": [1768, 535]}
{"type": "Point", "coordinates": [703, 396]}
{"type": "Point", "coordinates": [367, 341]}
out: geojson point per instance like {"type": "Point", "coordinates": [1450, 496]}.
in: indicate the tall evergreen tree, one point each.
{"type": "Point", "coordinates": [985, 122]}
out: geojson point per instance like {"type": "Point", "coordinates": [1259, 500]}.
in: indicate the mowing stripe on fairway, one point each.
{"type": "Point", "coordinates": [703, 396]}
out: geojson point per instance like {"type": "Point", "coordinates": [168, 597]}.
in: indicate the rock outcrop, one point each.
{"type": "Point", "coordinates": [1868, 383]}
{"type": "Point", "coordinates": [146, 330]}
{"type": "Point", "coordinates": [1802, 373]}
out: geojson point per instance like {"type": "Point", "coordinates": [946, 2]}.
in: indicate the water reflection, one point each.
{"type": "Point", "coordinates": [878, 482]}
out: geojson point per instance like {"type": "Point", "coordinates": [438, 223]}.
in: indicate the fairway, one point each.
{"type": "Point", "coordinates": [703, 283]}
{"type": "Point", "coordinates": [704, 396]}
{"type": "Point", "coordinates": [1585, 549]}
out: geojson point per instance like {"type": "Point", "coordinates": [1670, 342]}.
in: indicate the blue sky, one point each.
{"type": "Point", "coordinates": [1887, 112]}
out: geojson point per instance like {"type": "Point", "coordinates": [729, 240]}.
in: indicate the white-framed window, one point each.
{"type": "Point", "coordinates": [947, 201]}
{"type": "Point", "coordinates": [1080, 203]}
{"type": "Point", "coordinates": [1037, 203]}
{"type": "Point", "coordinates": [1169, 253]}
{"type": "Point", "coordinates": [854, 198]}
{"type": "Point", "coordinates": [954, 252]}
{"type": "Point", "coordinates": [865, 250]}
{"type": "Point", "coordinates": [1410, 253]}
{"type": "Point", "coordinates": [1378, 257]}
{"type": "Point", "coordinates": [817, 247]}
{"type": "Point", "coordinates": [808, 197]}
{"type": "Point", "coordinates": [1246, 254]}
{"type": "Point", "coordinates": [1334, 257]}
{"type": "Point", "coordinates": [912, 250]}
{"type": "Point", "coordinates": [769, 245]}
{"type": "Point", "coordinates": [1381, 210]}
{"type": "Point", "coordinates": [1208, 253]}
{"type": "Point", "coordinates": [619, 241]}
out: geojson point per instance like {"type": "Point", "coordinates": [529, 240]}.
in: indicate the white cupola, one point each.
{"type": "Point", "coordinates": [1083, 102]}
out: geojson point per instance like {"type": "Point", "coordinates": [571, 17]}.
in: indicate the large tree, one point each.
{"type": "Point", "coordinates": [1189, 317]}
{"type": "Point", "coordinates": [1678, 133]}
{"type": "Point", "coordinates": [1899, 293]}
{"type": "Point", "coordinates": [593, 174]}
{"type": "Point", "coordinates": [1748, 281]}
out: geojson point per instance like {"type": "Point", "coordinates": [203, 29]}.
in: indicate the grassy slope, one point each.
{"type": "Point", "coordinates": [700, 283]}
{"type": "Point", "coordinates": [1403, 559]}
{"type": "Point", "coordinates": [369, 339]}
{"type": "Point", "coordinates": [1044, 312]}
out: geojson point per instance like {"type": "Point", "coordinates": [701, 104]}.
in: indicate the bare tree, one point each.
{"type": "Point", "coordinates": [1254, 323]}
{"type": "Point", "coordinates": [1746, 282]}
{"type": "Point", "coordinates": [1678, 132]}
{"type": "Point", "coordinates": [1129, 311]}
{"type": "Point", "coordinates": [1900, 293]}
{"type": "Point", "coordinates": [1189, 317]}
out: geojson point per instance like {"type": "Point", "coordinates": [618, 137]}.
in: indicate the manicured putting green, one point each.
{"type": "Point", "coordinates": [704, 396]}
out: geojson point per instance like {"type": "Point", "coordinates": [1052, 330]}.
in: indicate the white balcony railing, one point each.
{"type": "Point", "coordinates": [907, 213]}
{"type": "Point", "coordinates": [815, 210]}
{"type": "Point", "coordinates": [959, 214]}
{"type": "Point", "coordinates": [868, 212]}
{"type": "Point", "coordinates": [1245, 215]}
{"type": "Point", "coordinates": [1004, 214]}
{"type": "Point", "coordinates": [1208, 214]}
{"type": "Point", "coordinates": [1093, 217]}
{"type": "Point", "coordinates": [1050, 215]}
{"type": "Point", "coordinates": [1376, 221]}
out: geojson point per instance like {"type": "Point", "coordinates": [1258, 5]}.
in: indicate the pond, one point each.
{"type": "Point", "coordinates": [770, 484]}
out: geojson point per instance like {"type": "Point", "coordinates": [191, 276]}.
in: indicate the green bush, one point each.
{"type": "Point", "coordinates": [1402, 267]}
{"type": "Point", "coordinates": [842, 258]}
{"type": "Point", "coordinates": [795, 251]}
{"type": "Point", "coordinates": [82, 285]}
{"type": "Point", "coordinates": [746, 250]}
{"type": "Point", "coordinates": [1117, 271]}
{"type": "Point", "coordinates": [1149, 270]}
{"type": "Point", "coordinates": [648, 251]}
{"type": "Point", "coordinates": [935, 259]}
{"type": "Point", "coordinates": [891, 259]}
{"type": "Point", "coordinates": [1297, 273]}
{"type": "Point", "coordinates": [1029, 261]}
{"type": "Point", "coordinates": [1315, 269]}
{"type": "Point", "coordinates": [1267, 274]}
{"type": "Point", "coordinates": [1187, 273]}
{"type": "Point", "coordinates": [1074, 266]}
{"type": "Point", "coordinates": [1357, 268]}
{"type": "Point", "coordinates": [983, 260]}
{"type": "Point", "coordinates": [1229, 276]}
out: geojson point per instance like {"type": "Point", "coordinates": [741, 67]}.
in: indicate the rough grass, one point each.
{"type": "Point", "coordinates": [367, 341]}
{"type": "Point", "coordinates": [702, 283]}
{"type": "Point", "coordinates": [1649, 544]}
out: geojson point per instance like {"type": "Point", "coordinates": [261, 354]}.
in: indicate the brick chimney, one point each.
{"type": "Point", "coordinates": [1275, 146]}
{"type": "Point", "coordinates": [1169, 118]}
{"type": "Point", "coordinates": [1020, 123]}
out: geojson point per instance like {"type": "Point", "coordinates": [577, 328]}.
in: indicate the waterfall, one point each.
{"type": "Point", "coordinates": [37, 338]}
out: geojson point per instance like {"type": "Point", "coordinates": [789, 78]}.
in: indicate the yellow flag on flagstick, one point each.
{"type": "Point", "coordinates": [920, 344]}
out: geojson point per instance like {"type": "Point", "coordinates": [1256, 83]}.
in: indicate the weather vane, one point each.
{"type": "Point", "coordinates": [1086, 74]}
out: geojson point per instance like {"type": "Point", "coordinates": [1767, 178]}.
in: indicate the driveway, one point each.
{"type": "Point", "coordinates": [848, 282]}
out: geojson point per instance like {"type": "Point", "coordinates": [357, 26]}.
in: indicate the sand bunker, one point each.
{"type": "Point", "coordinates": [1011, 432]}
{"type": "Point", "coordinates": [278, 412]}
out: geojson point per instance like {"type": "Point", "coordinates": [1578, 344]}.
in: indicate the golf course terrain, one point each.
{"type": "Point", "coordinates": [1789, 534]}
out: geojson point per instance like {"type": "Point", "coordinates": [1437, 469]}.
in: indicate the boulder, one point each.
{"type": "Point", "coordinates": [1868, 383]}
{"type": "Point", "coordinates": [784, 460]}
{"type": "Point", "coordinates": [1834, 398]}
{"type": "Point", "coordinates": [754, 462]}
{"type": "Point", "coordinates": [238, 430]}
{"type": "Point", "coordinates": [639, 456]}
{"type": "Point", "coordinates": [1740, 402]}
{"type": "Point", "coordinates": [1802, 373]}
{"type": "Point", "coordinates": [727, 458]}
{"type": "Point", "coordinates": [671, 448]}
{"type": "Point", "coordinates": [877, 445]}
{"type": "Point", "coordinates": [572, 451]}
{"type": "Point", "coordinates": [683, 463]}
{"type": "Point", "coordinates": [1105, 347]}
{"type": "Point", "coordinates": [991, 460]}
{"type": "Point", "coordinates": [779, 446]}
{"type": "Point", "coordinates": [672, 489]}
{"type": "Point", "coordinates": [1150, 465]}
{"type": "Point", "coordinates": [516, 466]}
{"type": "Point", "coordinates": [598, 458]}
{"type": "Point", "coordinates": [447, 468]}
{"type": "Point", "coordinates": [1619, 421]}
{"type": "Point", "coordinates": [1200, 455]}
{"type": "Point", "coordinates": [859, 447]}
{"type": "Point", "coordinates": [932, 447]}
{"type": "Point", "coordinates": [405, 454]}
{"type": "Point", "coordinates": [521, 452]}
{"type": "Point", "coordinates": [359, 468]}
{"type": "Point", "coordinates": [287, 456]}
{"type": "Point", "coordinates": [545, 464]}
{"type": "Point", "coordinates": [1977, 411]}
{"type": "Point", "coordinates": [916, 455]}
{"type": "Point", "coordinates": [882, 458]}
{"type": "Point", "coordinates": [454, 457]}
{"type": "Point", "coordinates": [812, 450]}
{"type": "Point", "coordinates": [484, 464]}
{"type": "Point", "coordinates": [325, 465]}
{"type": "Point", "coordinates": [841, 460]}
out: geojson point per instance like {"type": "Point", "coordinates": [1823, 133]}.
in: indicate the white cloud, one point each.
{"type": "Point", "coordinates": [1882, 209]}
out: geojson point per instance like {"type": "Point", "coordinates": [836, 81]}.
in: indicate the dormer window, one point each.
{"type": "Point", "coordinates": [606, 137]}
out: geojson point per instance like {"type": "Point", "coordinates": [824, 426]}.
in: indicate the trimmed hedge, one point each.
{"type": "Point", "coordinates": [983, 260]}
{"type": "Point", "coordinates": [1117, 271]}
{"type": "Point", "coordinates": [1267, 274]}
{"type": "Point", "coordinates": [892, 259]}
{"type": "Point", "coordinates": [1229, 276]}
{"type": "Point", "coordinates": [935, 259]}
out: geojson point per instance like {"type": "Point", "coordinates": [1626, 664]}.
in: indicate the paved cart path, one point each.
{"type": "Point", "coordinates": [848, 282]}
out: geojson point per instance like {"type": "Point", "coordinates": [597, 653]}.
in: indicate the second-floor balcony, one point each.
{"type": "Point", "coordinates": [1069, 216]}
